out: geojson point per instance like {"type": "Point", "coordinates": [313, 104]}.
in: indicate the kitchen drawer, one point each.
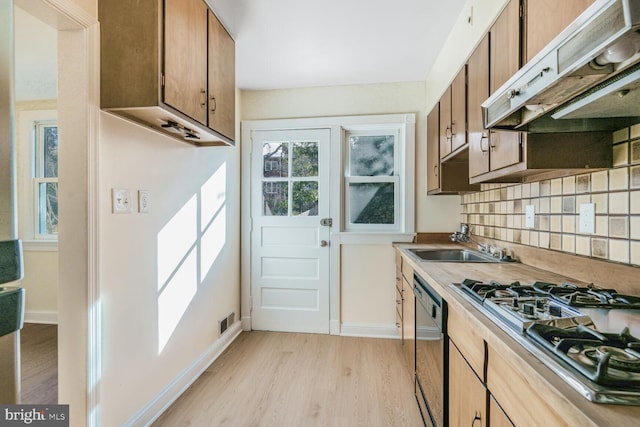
{"type": "Point", "coordinates": [470, 344]}
{"type": "Point", "coordinates": [407, 272]}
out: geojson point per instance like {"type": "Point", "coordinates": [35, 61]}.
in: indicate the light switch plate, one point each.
{"type": "Point", "coordinates": [120, 200]}
{"type": "Point", "coordinates": [530, 216]}
{"type": "Point", "coordinates": [588, 218]}
{"type": "Point", "coordinates": [144, 200]}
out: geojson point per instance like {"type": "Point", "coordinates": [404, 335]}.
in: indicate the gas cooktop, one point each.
{"type": "Point", "coordinates": [547, 319]}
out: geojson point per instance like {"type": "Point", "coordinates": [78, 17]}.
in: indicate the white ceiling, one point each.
{"type": "Point", "coordinates": [302, 43]}
{"type": "Point", "coordinates": [290, 43]}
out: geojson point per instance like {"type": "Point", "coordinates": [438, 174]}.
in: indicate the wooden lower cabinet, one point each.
{"type": "Point", "coordinates": [497, 417]}
{"type": "Point", "coordinates": [467, 394]}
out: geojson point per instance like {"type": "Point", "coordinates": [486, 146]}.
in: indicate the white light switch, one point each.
{"type": "Point", "coordinates": [144, 199]}
{"type": "Point", "coordinates": [530, 216]}
{"type": "Point", "coordinates": [588, 218]}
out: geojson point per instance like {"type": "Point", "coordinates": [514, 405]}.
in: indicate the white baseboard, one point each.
{"type": "Point", "coordinates": [35, 316]}
{"type": "Point", "coordinates": [246, 323]}
{"type": "Point", "coordinates": [371, 330]}
{"type": "Point", "coordinates": [147, 415]}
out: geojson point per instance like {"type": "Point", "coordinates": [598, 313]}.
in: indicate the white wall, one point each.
{"type": "Point", "coordinates": [433, 213]}
{"type": "Point", "coordinates": [168, 276]}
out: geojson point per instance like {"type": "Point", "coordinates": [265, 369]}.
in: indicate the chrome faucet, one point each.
{"type": "Point", "coordinates": [464, 236]}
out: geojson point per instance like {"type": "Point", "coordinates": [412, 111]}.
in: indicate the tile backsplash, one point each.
{"type": "Point", "coordinates": [498, 211]}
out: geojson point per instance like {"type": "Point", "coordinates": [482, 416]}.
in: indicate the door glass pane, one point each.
{"type": "Point", "coordinates": [305, 159]}
{"type": "Point", "coordinates": [50, 151]}
{"type": "Point", "coordinates": [275, 198]}
{"type": "Point", "coordinates": [371, 155]}
{"type": "Point", "coordinates": [305, 198]}
{"type": "Point", "coordinates": [275, 163]}
{"type": "Point", "coordinates": [48, 209]}
{"type": "Point", "coordinates": [371, 203]}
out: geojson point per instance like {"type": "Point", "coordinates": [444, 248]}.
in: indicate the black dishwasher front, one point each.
{"type": "Point", "coordinates": [431, 354]}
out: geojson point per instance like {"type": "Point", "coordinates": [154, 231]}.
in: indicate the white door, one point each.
{"type": "Point", "coordinates": [289, 246]}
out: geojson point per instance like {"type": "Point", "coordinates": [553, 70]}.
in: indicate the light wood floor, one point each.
{"type": "Point", "coordinates": [285, 379]}
{"type": "Point", "coordinates": [39, 364]}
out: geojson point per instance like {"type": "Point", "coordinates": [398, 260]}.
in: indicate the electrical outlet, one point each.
{"type": "Point", "coordinates": [530, 216]}
{"type": "Point", "coordinates": [144, 199]}
{"type": "Point", "coordinates": [120, 200]}
{"type": "Point", "coordinates": [588, 218]}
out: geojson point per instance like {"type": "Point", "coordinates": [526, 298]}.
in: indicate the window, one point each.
{"type": "Point", "coordinates": [372, 180]}
{"type": "Point", "coordinates": [45, 179]}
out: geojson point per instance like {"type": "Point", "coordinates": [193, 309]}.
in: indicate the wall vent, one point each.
{"type": "Point", "coordinates": [224, 324]}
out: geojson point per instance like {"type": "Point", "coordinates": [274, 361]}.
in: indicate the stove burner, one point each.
{"type": "Point", "coordinates": [606, 359]}
{"type": "Point", "coordinates": [588, 296]}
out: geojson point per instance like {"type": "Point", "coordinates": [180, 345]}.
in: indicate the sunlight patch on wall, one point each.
{"type": "Point", "coordinates": [188, 246]}
{"type": "Point", "coordinates": [213, 222]}
{"type": "Point", "coordinates": [176, 240]}
{"type": "Point", "coordinates": [176, 297]}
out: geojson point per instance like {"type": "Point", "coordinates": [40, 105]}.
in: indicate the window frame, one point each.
{"type": "Point", "coordinates": [395, 179]}
{"type": "Point", "coordinates": [29, 147]}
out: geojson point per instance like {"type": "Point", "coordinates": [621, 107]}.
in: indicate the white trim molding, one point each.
{"type": "Point", "coordinates": [41, 316]}
{"type": "Point", "coordinates": [147, 415]}
{"type": "Point", "coordinates": [369, 330]}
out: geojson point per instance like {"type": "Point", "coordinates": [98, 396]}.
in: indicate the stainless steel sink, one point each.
{"type": "Point", "coordinates": [451, 255]}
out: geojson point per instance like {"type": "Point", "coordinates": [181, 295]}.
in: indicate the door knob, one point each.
{"type": "Point", "coordinates": [324, 243]}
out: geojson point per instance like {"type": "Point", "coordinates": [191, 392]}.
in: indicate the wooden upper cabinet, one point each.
{"type": "Point", "coordinates": [459, 110]}
{"type": "Point", "coordinates": [478, 92]}
{"type": "Point", "coordinates": [185, 57]}
{"type": "Point", "coordinates": [504, 40]}
{"type": "Point", "coordinates": [545, 19]}
{"type": "Point", "coordinates": [159, 62]}
{"type": "Point", "coordinates": [504, 61]}
{"type": "Point", "coordinates": [453, 115]}
{"type": "Point", "coordinates": [433, 149]}
{"type": "Point", "coordinates": [445, 123]}
{"type": "Point", "coordinates": [222, 82]}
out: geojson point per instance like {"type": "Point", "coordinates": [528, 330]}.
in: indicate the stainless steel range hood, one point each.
{"type": "Point", "coordinates": [586, 79]}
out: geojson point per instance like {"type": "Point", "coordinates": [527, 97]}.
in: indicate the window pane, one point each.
{"type": "Point", "coordinates": [371, 203]}
{"type": "Point", "coordinates": [371, 155]}
{"type": "Point", "coordinates": [50, 151]}
{"type": "Point", "coordinates": [275, 157]}
{"type": "Point", "coordinates": [48, 208]}
{"type": "Point", "coordinates": [305, 159]}
{"type": "Point", "coordinates": [275, 198]}
{"type": "Point", "coordinates": [305, 198]}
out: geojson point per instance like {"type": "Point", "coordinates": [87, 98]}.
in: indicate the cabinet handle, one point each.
{"type": "Point", "coordinates": [204, 99]}
{"type": "Point", "coordinates": [476, 417]}
{"type": "Point", "coordinates": [448, 132]}
{"type": "Point", "coordinates": [452, 132]}
{"type": "Point", "coordinates": [215, 104]}
{"type": "Point", "coordinates": [482, 139]}
{"type": "Point", "coordinates": [435, 170]}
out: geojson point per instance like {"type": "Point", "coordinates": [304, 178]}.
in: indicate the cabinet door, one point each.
{"type": "Point", "coordinates": [433, 149]}
{"type": "Point", "coordinates": [497, 417]}
{"type": "Point", "coordinates": [505, 149]}
{"type": "Point", "coordinates": [478, 92]}
{"type": "Point", "coordinates": [222, 79]}
{"type": "Point", "coordinates": [185, 57]}
{"type": "Point", "coordinates": [445, 123]}
{"type": "Point", "coordinates": [467, 395]}
{"type": "Point", "coordinates": [459, 110]}
{"type": "Point", "coordinates": [545, 19]}
{"type": "Point", "coordinates": [504, 62]}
